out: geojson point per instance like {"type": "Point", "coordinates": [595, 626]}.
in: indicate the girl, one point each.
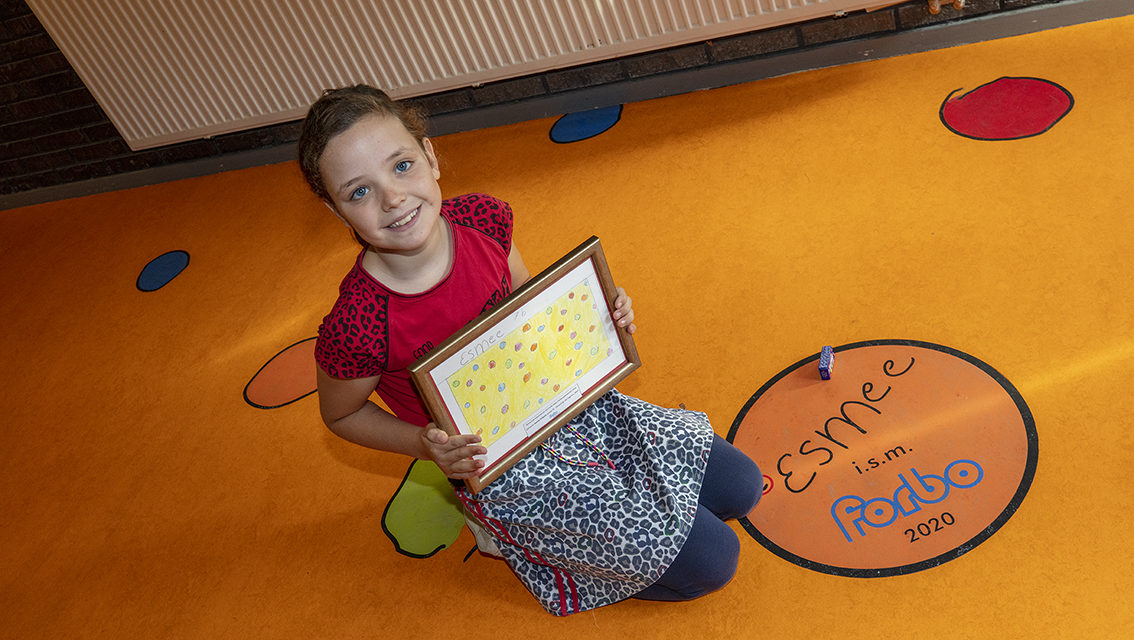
{"type": "Point", "coordinates": [626, 501]}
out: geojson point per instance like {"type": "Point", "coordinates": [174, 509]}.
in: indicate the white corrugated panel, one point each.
{"type": "Point", "coordinates": [166, 71]}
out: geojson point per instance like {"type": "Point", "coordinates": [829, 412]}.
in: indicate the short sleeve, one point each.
{"type": "Point", "coordinates": [488, 215]}
{"type": "Point", "coordinates": [353, 340]}
{"type": "Point", "coordinates": [341, 361]}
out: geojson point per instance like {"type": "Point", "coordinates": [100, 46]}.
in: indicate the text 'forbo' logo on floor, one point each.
{"type": "Point", "coordinates": [909, 456]}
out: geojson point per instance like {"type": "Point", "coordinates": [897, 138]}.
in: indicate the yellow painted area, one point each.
{"type": "Point", "coordinates": [551, 350]}
{"type": "Point", "coordinates": [751, 225]}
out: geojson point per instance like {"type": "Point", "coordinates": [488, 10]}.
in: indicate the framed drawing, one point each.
{"type": "Point", "coordinates": [525, 368]}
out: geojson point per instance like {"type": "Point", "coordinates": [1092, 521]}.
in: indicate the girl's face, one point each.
{"type": "Point", "coordinates": [384, 184]}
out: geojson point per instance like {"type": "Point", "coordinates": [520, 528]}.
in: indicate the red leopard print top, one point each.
{"type": "Point", "coordinates": [372, 330]}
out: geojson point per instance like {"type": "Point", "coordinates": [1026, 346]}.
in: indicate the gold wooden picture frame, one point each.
{"type": "Point", "coordinates": [528, 366]}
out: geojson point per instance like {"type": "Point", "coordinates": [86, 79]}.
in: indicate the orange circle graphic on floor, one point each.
{"type": "Point", "coordinates": [911, 455]}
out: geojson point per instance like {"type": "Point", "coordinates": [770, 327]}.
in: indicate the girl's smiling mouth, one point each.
{"type": "Point", "coordinates": [406, 220]}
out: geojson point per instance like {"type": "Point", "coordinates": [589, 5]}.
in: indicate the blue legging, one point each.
{"type": "Point", "coordinates": [732, 486]}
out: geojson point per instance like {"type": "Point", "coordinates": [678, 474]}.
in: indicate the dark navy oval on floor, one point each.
{"type": "Point", "coordinates": [581, 125]}
{"type": "Point", "coordinates": [161, 270]}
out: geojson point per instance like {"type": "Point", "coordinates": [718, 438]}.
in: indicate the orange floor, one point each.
{"type": "Point", "coordinates": [146, 498]}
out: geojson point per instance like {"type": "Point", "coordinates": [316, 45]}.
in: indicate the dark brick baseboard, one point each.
{"type": "Point", "coordinates": [57, 142]}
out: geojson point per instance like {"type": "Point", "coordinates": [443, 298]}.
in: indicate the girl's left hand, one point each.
{"type": "Point", "coordinates": [624, 311]}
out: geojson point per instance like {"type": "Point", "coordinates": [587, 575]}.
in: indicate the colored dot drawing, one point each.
{"type": "Point", "coordinates": [495, 399]}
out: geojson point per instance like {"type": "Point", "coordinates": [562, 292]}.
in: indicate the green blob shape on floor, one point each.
{"type": "Point", "coordinates": [424, 515]}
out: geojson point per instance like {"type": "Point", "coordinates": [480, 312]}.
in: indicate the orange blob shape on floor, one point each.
{"type": "Point", "coordinates": [287, 377]}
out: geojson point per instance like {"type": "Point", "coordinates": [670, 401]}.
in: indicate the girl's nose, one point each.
{"type": "Point", "coordinates": [392, 198]}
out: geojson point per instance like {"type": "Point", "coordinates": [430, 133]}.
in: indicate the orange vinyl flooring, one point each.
{"type": "Point", "coordinates": [145, 497]}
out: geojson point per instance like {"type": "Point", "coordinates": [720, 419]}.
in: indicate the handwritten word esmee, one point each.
{"type": "Point", "coordinates": [799, 472]}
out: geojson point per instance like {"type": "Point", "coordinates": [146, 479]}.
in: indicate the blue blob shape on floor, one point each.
{"type": "Point", "coordinates": [161, 270]}
{"type": "Point", "coordinates": [581, 125]}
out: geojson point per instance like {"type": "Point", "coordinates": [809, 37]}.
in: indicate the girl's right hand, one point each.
{"type": "Point", "coordinates": [453, 454]}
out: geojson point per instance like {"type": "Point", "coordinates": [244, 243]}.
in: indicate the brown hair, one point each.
{"type": "Point", "coordinates": [335, 112]}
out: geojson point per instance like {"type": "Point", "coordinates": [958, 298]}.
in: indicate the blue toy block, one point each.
{"type": "Point", "coordinates": [826, 362]}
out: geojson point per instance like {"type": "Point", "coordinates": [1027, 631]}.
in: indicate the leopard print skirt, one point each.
{"type": "Point", "coordinates": [583, 537]}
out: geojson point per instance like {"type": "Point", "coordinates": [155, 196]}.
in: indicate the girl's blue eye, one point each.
{"type": "Point", "coordinates": [358, 193]}
{"type": "Point", "coordinates": [402, 166]}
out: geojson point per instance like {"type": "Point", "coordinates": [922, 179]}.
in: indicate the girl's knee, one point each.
{"type": "Point", "coordinates": [707, 561]}
{"type": "Point", "coordinates": [718, 572]}
{"type": "Point", "coordinates": [727, 563]}
{"type": "Point", "coordinates": [733, 483]}
{"type": "Point", "coordinates": [754, 488]}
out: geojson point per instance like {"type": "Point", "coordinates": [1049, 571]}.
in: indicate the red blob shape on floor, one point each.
{"type": "Point", "coordinates": [1006, 109]}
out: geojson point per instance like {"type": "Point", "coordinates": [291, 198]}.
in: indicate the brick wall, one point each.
{"type": "Point", "coordinates": [53, 133]}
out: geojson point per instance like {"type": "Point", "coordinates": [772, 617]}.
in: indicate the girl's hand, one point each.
{"type": "Point", "coordinates": [623, 310]}
{"type": "Point", "coordinates": [453, 454]}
